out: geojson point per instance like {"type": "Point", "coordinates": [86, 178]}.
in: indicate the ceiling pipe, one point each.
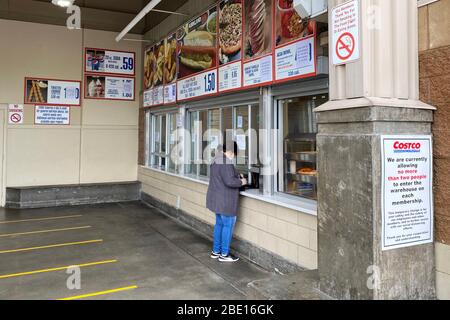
{"type": "Point", "coordinates": [138, 18]}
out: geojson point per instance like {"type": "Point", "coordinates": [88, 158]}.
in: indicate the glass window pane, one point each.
{"type": "Point", "coordinates": [227, 129]}
{"type": "Point", "coordinates": [299, 145]}
{"type": "Point", "coordinates": [163, 134]}
{"type": "Point", "coordinates": [172, 139]}
{"type": "Point", "coordinates": [203, 122]}
{"type": "Point", "coordinates": [192, 167]}
{"type": "Point", "coordinates": [214, 136]}
{"type": "Point", "coordinates": [157, 135]}
{"type": "Point", "coordinates": [241, 129]}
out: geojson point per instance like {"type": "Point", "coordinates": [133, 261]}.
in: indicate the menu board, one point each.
{"type": "Point", "coordinates": [230, 44]}
{"type": "Point", "coordinates": [295, 46]}
{"type": "Point", "coordinates": [233, 45]}
{"type": "Point", "coordinates": [170, 69]}
{"type": "Point", "coordinates": [52, 92]}
{"type": "Point", "coordinates": [258, 42]}
{"type": "Point", "coordinates": [109, 61]}
{"type": "Point", "coordinates": [197, 56]}
{"type": "Point", "coordinates": [109, 88]}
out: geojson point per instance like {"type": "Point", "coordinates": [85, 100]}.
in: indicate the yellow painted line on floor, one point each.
{"type": "Point", "coordinates": [42, 231]}
{"type": "Point", "coordinates": [51, 246]}
{"type": "Point", "coordinates": [90, 264]}
{"type": "Point", "coordinates": [100, 293]}
{"type": "Point", "coordinates": [40, 219]}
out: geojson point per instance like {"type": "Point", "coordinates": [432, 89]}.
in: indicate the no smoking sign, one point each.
{"type": "Point", "coordinates": [15, 114]}
{"type": "Point", "coordinates": [345, 46]}
{"type": "Point", "coordinates": [345, 32]}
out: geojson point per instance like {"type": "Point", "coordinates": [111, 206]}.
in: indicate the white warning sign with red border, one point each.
{"type": "Point", "coordinates": [15, 113]}
{"type": "Point", "coordinates": [345, 33]}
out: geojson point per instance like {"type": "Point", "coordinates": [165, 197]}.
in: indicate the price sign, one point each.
{"type": "Point", "coordinates": [258, 72]}
{"type": "Point", "coordinates": [119, 88]}
{"type": "Point", "coordinates": [199, 85]}
{"type": "Point", "coordinates": [65, 93]}
{"type": "Point", "coordinates": [296, 60]}
{"type": "Point", "coordinates": [170, 94]}
{"type": "Point", "coordinates": [52, 92]}
{"type": "Point", "coordinates": [109, 61]}
{"type": "Point", "coordinates": [148, 98]}
{"type": "Point", "coordinates": [158, 95]}
{"type": "Point", "coordinates": [230, 76]}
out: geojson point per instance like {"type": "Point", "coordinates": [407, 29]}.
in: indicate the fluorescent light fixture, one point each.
{"type": "Point", "coordinates": [138, 18]}
{"type": "Point", "coordinates": [63, 3]}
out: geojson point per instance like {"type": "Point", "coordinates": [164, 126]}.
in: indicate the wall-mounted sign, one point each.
{"type": "Point", "coordinates": [230, 44]}
{"type": "Point", "coordinates": [15, 114]}
{"type": "Point", "coordinates": [52, 92]}
{"type": "Point", "coordinates": [233, 45]}
{"type": "Point", "coordinates": [170, 69]}
{"type": "Point", "coordinates": [110, 61]}
{"type": "Point", "coordinates": [202, 84]}
{"type": "Point", "coordinates": [407, 198]}
{"type": "Point", "coordinates": [345, 45]}
{"type": "Point", "coordinates": [52, 115]}
{"type": "Point", "coordinates": [296, 60]}
{"type": "Point", "coordinates": [258, 42]}
{"type": "Point", "coordinates": [109, 88]}
{"type": "Point", "coordinates": [197, 56]}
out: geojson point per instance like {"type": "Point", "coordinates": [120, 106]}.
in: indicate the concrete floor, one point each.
{"type": "Point", "coordinates": [163, 259]}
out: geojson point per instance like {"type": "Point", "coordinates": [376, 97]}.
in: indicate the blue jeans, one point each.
{"type": "Point", "coordinates": [223, 233]}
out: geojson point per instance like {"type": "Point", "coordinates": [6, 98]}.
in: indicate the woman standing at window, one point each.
{"type": "Point", "coordinates": [223, 199]}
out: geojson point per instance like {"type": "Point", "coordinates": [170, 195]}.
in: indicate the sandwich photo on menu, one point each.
{"type": "Point", "coordinates": [258, 28]}
{"type": "Point", "coordinates": [230, 31]}
{"type": "Point", "coordinates": [197, 44]}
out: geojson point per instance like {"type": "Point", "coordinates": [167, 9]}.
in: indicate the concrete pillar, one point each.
{"type": "Point", "coordinates": [374, 96]}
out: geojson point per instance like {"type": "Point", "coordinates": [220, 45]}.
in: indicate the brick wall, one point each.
{"type": "Point", "coordinates": [434, 59]}
{"type": "Point", "coordinates": [289, 234]}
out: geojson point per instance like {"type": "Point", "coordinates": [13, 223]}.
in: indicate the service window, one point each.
{"type": "Point", "coordinates": [297, 144]}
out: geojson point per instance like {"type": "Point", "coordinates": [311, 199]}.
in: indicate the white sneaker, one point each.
{"type": "Point", "coordinates": [228, 258]}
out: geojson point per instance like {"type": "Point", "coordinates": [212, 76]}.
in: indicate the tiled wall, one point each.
{"type": "Point", "coordinates": [285, 232]}
{"type": "Point", "coordinates": [434, 58]}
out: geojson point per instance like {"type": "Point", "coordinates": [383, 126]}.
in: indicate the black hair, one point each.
{"type": "Point", "coordinates": [230, 146]}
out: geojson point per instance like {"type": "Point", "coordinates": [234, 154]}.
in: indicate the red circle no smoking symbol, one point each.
{"type": "Point", "coordinates": [345, 46]}
{"type": "Point", "coordinates": [16, 118]}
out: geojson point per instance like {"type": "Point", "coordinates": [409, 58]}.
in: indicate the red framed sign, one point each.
{"type": "Point", "coordinates": [51, 92]}
{"type": "Point", "coordinates": [113, 62]}
{"type": "Point", "coordinates": [258, 39]}
{"type": "Point", "coordinates": [230, 39]}
{"type": "Point", "coordinates": [101, 87]}
{"type": "Point", "coordinates": [197, 56]}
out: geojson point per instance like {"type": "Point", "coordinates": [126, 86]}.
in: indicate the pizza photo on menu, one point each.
{"type": "Point", "coordinates": [230, 31]}
{"type": "Point", "coordinates": [289, 25]}
{"type": "Point", "coordinates": [197, 44]}
{"type": "Point", "coordinates": [257, 28]}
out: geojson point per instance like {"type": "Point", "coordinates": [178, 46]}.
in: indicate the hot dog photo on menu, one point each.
{"type": "Point", "coordinates": [258, 28]}
{"type": "Point", "coordinates": [289, 25]}
{"type": "Point", "coordinates": [230, 31]}
{"type": "Point", "coordinates": [197, 43]}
